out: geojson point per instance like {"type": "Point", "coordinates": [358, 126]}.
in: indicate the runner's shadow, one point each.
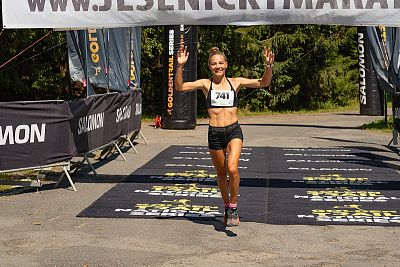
{"type": "Point", "coordinates": [218, 225]}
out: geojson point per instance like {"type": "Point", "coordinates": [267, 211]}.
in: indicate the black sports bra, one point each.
{"type": "Point", "coordinates": [222, 99]}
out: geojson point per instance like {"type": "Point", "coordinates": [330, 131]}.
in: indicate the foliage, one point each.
{"type": "Point", "coordinates": [152, 70]}
{"type": "Point", "coordinates": [316, 66]}
{"type": "Point", "coordinates": [36, 74]}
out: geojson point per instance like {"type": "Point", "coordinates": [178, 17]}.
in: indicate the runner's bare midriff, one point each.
{"type": "Point", "coordinates": [221, 117]}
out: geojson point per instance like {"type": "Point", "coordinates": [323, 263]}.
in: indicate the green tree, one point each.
{"type": "Point", "coordinates": [38, 73]}
{"type": "Point", "coordinates": [152, 69]}
{"type": "Point", "coordinates": [316, 66]}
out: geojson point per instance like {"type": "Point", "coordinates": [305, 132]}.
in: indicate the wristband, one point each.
{"type": "Point", "coordinates": [270, 65]}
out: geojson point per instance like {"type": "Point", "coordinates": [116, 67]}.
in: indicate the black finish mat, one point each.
{"type": "Point", "coordinates": [334, 199]}
{"type": "Point", "coordinates": [179, 183]}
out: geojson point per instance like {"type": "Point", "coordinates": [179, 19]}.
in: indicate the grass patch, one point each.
{"type": "Point", "coordinates": [6, 187]}
{"type": "Point", "coordinates": [355, 105]}
{"type": "Point", "coordinates": [379, 125]}
{"type": "Point", "coordinates": [327, 108]}
{"type": "Point", "coordinates": [19, 176]}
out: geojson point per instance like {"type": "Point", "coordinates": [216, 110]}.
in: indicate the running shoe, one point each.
{"type": "Point", "coordinates": [233, 218]}
{"type": "Point", "coordinates": [226, 215]}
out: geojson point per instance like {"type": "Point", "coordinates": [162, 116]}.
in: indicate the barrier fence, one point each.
{"type": "Point", "coordinates": [37, 134]}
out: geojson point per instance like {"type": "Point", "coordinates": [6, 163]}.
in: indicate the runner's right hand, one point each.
{"type": "Point", "coordinates": [183, 55]}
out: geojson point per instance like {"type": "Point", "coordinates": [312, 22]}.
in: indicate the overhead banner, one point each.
{"type": "Point", "coordinates": [100, 119]}
{"type": "Point", "coordinates": [125, 13]}
{"type": "Point", "coordinates": [34, 134]}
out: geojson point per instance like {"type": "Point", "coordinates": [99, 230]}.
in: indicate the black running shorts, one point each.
{"type": "Point", "coordinates": [219, 137]}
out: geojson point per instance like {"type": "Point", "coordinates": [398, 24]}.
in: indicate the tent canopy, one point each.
{"type": "Point", "coordinates": [124, 13]}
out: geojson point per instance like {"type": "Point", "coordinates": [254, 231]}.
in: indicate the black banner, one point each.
{"type": "Point", "coordinates": [100, 119]}
{"type": "Point", "coordinates": [135, 48]}
{"type": "Point", "coordinates": [179, 108]}
{"type": "Point", "coordinates": [76, 54]}
{"type": "Point", "coordinates": [371, 99]}
{"type": "Point", "coordinates": [34, 134]}
{"type": "Point", "coordinates": [396, 110]}
{"type": "Point", "coordinates": [78, 58]}
{"type": "Point", "coordinates": [393, 49]}
{"type": "Point", "coordinates": [97, 59]}
{"type": "Point", "coordinates": [39, 133]}
{"type": "Point", "coordinates": [109, 58]}
{"type": "Point", "coordinates": [119, 59]}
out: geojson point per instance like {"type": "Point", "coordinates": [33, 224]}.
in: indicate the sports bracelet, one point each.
{"type": "Point", "coordinates": [269, 65]}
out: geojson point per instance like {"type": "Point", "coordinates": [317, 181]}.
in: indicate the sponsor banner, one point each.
{"type": "Point", "coordinates": [318, 197]}
{"type": "Point", "coordinates": [76, 55]}
{"type": "Point", "coordinates": [135, 57]}
{"type": "Point", "coordinates": [97, 40]}
{"type": "Point", "coordinates": [124, 13]}
{"type": "Point", "coordinates": [143, 197]}
{"type": "Point", "coordinates": [99, 119]}
{"type": "Point", "coordinates": [198, 158]}
{"type": "Point", "coordinates": [391, 37]}
{"type": "Point", "coordinates": [34, 134]}
{"type": "Point", "coordinates": [380, 55]}
{"type": "Point", "coordinates": [371, 101]}
{"type": "Point", "coordinates": [78, 58]}
{"type": "Point", "coordinates": [320, 154]}
{"type": "Point", "coordinates": [334, 199]}
{"type": "Point", "coordinates": [119, 59]}
{"type": "Point", "coordinates": [110, 58]}
{"type": "Point", "coordinates": [396, 111]}
{"type": "Point", "coordinates": [179, 108]}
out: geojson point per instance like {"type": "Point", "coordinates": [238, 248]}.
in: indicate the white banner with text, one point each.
{"type": "Point", "coordinates": [71, 14]}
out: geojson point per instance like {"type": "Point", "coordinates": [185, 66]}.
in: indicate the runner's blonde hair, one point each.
{"type": "Point", "coordinates": [215, 51]}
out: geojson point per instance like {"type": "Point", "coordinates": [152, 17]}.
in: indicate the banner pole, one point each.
{"type": "Point", "coordinates": [107, 53]}
{"type": "Point", "coordinates": [88, 86]}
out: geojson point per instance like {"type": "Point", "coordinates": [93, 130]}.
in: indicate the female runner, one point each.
{"type": "Point", "coordinates": [225, 137]}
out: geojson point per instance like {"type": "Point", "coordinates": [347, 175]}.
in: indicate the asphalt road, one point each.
{"type": "Point", "coordinates": [41, 228]}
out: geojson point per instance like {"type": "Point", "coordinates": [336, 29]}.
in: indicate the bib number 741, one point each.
{"type": "Point", "coordinates": [223, 95]}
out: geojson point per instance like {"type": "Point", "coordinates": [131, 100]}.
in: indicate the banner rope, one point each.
{"type": "Point", "coordinates": [29, 58]}
{"type": "Point", "coordinates": [23, 51]}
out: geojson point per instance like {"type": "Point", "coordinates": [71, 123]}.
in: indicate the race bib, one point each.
{"type": "Point", "coordinates": [222, 98]}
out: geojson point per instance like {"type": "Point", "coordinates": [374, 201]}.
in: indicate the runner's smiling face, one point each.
{"type": "Point", "coordinates": [217, 65]}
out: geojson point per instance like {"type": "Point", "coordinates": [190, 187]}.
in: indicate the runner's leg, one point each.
{"type": "Point", "coordinates": [219, 161]}
{"type": "Point", "coordinates": [234, 150]}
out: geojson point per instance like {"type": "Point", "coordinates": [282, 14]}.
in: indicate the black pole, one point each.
{"type": "Point", "coordinates": [385, 107]}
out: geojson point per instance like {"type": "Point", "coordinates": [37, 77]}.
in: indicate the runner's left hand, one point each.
{"type": "Point", "coordinates": [269, 56]}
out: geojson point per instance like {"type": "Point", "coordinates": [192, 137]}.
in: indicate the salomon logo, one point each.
{"type": "Point", "coordinates": [123, 113]}
{"type": "Point", "coordinates": [362, 71]}
{"type": "Point", "coordinates": [90, 123]}
{"type": "Point", "coordinates": [22, 134]}
{"type": "Point", "coordinates": [138, 109]}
